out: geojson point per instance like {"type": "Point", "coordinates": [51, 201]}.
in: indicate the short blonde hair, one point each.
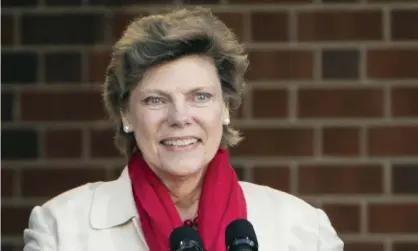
{"type": "Point", "coordinates": [159, 38]}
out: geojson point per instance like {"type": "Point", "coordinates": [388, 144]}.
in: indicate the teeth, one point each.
{"type": "Point", "coordinates": [184, 142]}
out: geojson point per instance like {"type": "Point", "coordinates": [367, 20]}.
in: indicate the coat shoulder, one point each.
{"type": "Point", "coordinates": [277, 214]}
{"type": "Point", "coordinates": [273, 198]}
{"type": "Point", "coordinates": [72, 199]}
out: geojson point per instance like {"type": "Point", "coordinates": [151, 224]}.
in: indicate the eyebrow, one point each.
{"type": "Point", "coordinates": [164, 93]}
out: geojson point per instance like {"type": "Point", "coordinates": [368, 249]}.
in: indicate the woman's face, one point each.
{"type": "Point", "coordinates": [177, 114]}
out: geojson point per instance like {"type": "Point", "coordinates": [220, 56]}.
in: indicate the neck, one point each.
{"type": "Point", "coordinates": [185, 193]}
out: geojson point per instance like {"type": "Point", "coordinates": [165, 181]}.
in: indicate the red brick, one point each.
{"type": "Point", "coordinates": [26, 61]}
{"type": "Point", "coordinates": [62, 28]}
{"type": "Point", "coordinates": [62, 67]}
{"type": "Point", "coordinates": [278, 31]}
{"type": "Point", "coordinates": [393, 218]}
{"type": "Point", "coordinates": [275, 142]}
{"type": "Point", "coordinates": [391, 1]}
{"type": "Point", "coordinates": [337, 63]}
{"type": "Point", "coordinates": [340, 179]}
{"type": "Point", "coordinates": [102, 144]}
{"type": "Point", "coordinates": [277, 177]}
{"type": "Point", "coordinates": [8, 104]}
{"type": "Point", "coordinates": [14, 220]}
{"type": "Point", "coordinates": [234, 21]}
{"type": "Point", "coordinates": [363, 246]}
{"type": "Point", "coordinates": [392, 63]}
{"type": "Point", "coordinates": [404, 24]}
{"type": "Point", "coordinates": [58, 179]}
{"type": "Point", "coordinates": [405, 246]}
{"type": "Point", "coordinates": [7, 29]}
{"type": "Point", "coordinates": [393, 141]}
{"type": "Point", "coordinates": [98, 62]}
{"type": "Point", "coordinates": [10, 246]}
{"type": "Point", "coordinates": [8, 177]}
{"type": "Point", "coordinates": [116, 171]}
{"type": "Point", "coordinates": [113, 3]}
{"type": "Point", "coordinates": [341, 141]}
{"type": "Point", "coordinates": [71, 105]}
{"type": "Point", "coordinates": [240, 172]}
{"type": "Point", "coordinates": [63, 2]}
{"type": "Point", "coordinates": [404, 101]}
{"type": "Point", "coordinates": [269, 103]}
{"type": "Point", "coordinates": [63, 144]}
{"type": "Point", "coordinates": [121, 20]}
{"type": "Point", "coordinates": [345, 103]}
{"type": "Point", "coordinates": [405, 179]}
{"type": "Point", "coordinates": [340, 1]}
{"type": "Point", "coordinates": [16, 150]}
{"type": "Point", "coordinates": [340, 25]}
{"type": "Point", "coordinates": [280, 65]}
{"type": "Point", "coordinates": [269, 1]}
{"type": "Point", "coordinates": [201, 1]}
{"type": "Point", "coordinates": [21, 3]}
{"type": "Point", "coordinates": [344, 218]}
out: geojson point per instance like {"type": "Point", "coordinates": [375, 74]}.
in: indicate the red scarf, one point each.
{"type": "Point", "coordinates": [222, 201]}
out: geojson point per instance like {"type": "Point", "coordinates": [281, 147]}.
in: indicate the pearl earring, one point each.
{"type": "Point", "coordinates": [226, 121]}
{"type": "Point", "coordinates": [127, 129]}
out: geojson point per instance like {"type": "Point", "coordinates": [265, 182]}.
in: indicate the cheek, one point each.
{"type": "Point", "coordinates": [147, 123]}
{"type": "Point", "coordinates": [212, 122]}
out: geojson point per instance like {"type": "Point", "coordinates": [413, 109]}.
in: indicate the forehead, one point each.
{"type": "Point", "coordinates": [183, 73]}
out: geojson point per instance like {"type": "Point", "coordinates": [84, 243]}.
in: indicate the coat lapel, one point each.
{"type": "Point", "coordinates": [113, 207]}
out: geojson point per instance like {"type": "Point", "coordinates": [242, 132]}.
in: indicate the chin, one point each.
{"type": "Point", "coordinates": [183, 164]}
{"type": "Point", "coordinates": [184, 169]}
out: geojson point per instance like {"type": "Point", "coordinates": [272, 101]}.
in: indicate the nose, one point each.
{"type": "Point", "coordinates": [178, 115]}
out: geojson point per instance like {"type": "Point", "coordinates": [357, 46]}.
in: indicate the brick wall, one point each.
{"type": "Point", "coordinates": [332, 115]}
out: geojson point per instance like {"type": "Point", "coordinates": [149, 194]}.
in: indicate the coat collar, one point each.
{"type": "Point", "coordinates": [113, 203]}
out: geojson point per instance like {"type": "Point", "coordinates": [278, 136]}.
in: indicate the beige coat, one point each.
{"type": "Point", "coordinates": [102, 217]}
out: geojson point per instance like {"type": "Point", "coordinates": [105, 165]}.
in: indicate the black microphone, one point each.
{"type": "Point", "coordinates": [185, 238]}
{"type": "Point", "coordinates": [240, 236]}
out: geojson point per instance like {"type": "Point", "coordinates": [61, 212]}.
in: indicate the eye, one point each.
{"type": "Point", "coordinates": [153, 100]}
{"type": "Point", "coordinates": [202, 97]}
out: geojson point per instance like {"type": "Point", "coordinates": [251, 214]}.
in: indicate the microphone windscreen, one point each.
{"type": "Point", "coordinates": [237, 229]}
{"type": "Point", "coordinates": [186, 236]}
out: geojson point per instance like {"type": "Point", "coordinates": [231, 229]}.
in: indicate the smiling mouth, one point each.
{"type": "Point", "coordinates": [180, 143]}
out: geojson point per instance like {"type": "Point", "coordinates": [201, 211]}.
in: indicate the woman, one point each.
{"type": "Point", "coordinates": [170, 85]}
